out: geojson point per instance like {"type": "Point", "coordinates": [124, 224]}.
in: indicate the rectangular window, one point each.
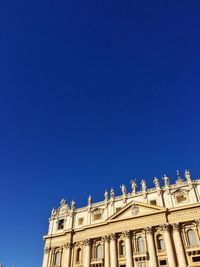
{"type": "Point", "coordinates": [80, 221]}
{"type": "Point", "coordinates": [196, 259]}
{"type": "Point", "coordinates": [181, 198]}
{"type": "Point", "coordinates": [163, 262]}
{"type": "Point", "coordinates": [60, 224]}
{"type": "Point", "coordinates": [117, 210]}
{"type": "Point", "coordinates": [153, 202]}
{"type": "Point", "coordinates": [97, 216]}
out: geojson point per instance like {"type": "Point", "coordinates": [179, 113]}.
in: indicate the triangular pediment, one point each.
{"type": "Point", "coordinates": [136, 209]}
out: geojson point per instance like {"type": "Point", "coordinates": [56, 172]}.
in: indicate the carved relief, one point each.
{"type": "Point", "coordinates": [134, 209]}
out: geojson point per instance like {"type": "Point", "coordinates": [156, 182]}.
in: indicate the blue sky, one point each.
{"type": "Point", "coordinates": [92, 94]}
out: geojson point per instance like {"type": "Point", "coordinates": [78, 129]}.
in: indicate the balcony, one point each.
{"type": "Point", "coordinates": [99, 261]}
{"type": "Point", "coordinates": [140, 255]}
{"type": "Point", "coordinates": [193, 249]}
{"type": "Point", "coordinates": [162, 251]}
{"type": "Point", "coordinates": [122, 257]}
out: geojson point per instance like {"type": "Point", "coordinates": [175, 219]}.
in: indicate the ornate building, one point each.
{"type": "Point", "coordinates": [152, 227]}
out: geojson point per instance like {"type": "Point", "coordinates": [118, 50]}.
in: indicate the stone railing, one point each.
{"type": "Point", "coordinates": [97, 261]}
{"type": "Point", "coordinates": [140, 255]}
{"type": "Point", "coordinates": [161, 250]}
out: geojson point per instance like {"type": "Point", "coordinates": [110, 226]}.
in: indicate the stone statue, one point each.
{"type": "Point", "coordinates": [62, 202]}
{"type": "Point", "coordinates": [89, 200]}
{"type": "Point", "coordinates": [179, 178]}
{"type": "Point", "coordinates": [123, 188]}
{"type": "Point", "coordinates": [106, 195]}
{"type": "Point", "coordinates": [72, 204]}
{"type": "Point", "coordinates": [156, 182]}
{"type": "Point", "coordinates": [133, 186]}
{"type": "Point", "coordinates": [144, 186]}
{"type": "Point", "coordinates": [166, 180]}
{"type": "Point", "coordinates": [112, 193]}
{"type": "Point", "coordinates": [187, 176]}
{"type": "Point", "coordinates": [53, 212]}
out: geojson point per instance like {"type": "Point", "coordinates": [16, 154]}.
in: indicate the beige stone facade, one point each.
{"type": "Point", "coordinates": [152, 227]}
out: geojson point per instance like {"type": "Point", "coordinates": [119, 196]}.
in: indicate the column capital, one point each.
{"type": "Point", "coordinates": [67, 245]}
{"type": "Point", "coordinates": [113, 236]}
{"type": "Point", "coordinates": [175, 226]}
{"type": "Point", "coordinates": [106, 238]}
{"type": "Point", "coordinates": [87, 242]}
{"type": "Point", "coordinates": [197, 222]}
{"type": "Point", "coordinates": [149, 230]}
{"type": "Point", "coordinates": [47, 249]}
{"type": "Point", "coordinates": [165, 227]}
{"type": "Point", "coordinates": [126, 234]}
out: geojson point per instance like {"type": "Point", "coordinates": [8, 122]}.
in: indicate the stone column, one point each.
{"type": "Point", "coordinates": [66, 255]}
{"type": "Point", "coordinates": [169, 246]}
{"type": "Point", "coordinates": [198, 227]}
{"type": "Point", "coordinates": [179, 246]}
{"type": "Point", "coordinates": [46, 256]}
{"type": "Point", "coordinates": [106, 253]}
{"type": "Point", "coordinates": [129, 256]}
{"type": "Point", "coordinates": [151, 247]}
{"type": "Point", "coordinates": [50, 258]}
{"type": "Point", "coordinates": [113, 251]}
{"type": "Point", "coordinates": [87, 253]}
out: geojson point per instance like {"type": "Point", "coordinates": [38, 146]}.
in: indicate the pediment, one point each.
{"type": "Point", "coordinates": [136, 209]}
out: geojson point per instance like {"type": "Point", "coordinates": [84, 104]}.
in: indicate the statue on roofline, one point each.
{"type": "Point", "coordinates": [156, 182]}
{"type": "Point", "coordinates": [133, 186]}
{"type": "Point", "coordinates": [123, 188]}
{"type": "Point", "coordinates": [144, 185]}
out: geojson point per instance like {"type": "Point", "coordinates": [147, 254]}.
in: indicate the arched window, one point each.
{"type": "Point", "coordinates": [121, 248]}
{"type": "Point", "coordinates": [78, 255]}
{"type": "Point", "coordinates": [57, 258]}
{"type": "Point", "coordinates": [191, 237]}
{"type": "Point", "coordinates": [98, 252]}
{"type": "Point", "coordinates": [160, 242]}
{"type": "Point", "coordinates": [140, 244]}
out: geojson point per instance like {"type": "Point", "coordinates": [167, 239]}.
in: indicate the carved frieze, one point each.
{"type": "Point", "coordinates": [190, 214]}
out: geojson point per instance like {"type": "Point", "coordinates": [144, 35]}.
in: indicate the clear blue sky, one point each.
{"type": "Point", "coordinates": [92, 94]}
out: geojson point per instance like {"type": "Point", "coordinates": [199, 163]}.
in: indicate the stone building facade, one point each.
{"type": "Point", "coordinates": [151, 227]}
